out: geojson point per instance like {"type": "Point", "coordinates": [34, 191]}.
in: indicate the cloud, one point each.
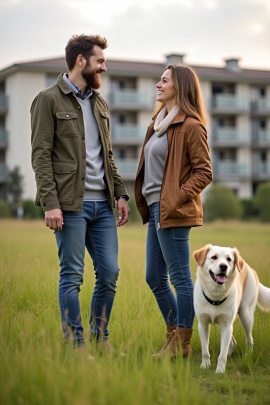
{"type": "Point", "coordinates": [206, 30]}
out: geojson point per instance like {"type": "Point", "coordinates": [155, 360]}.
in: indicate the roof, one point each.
{"type": "Point", "coordinates": [142, 68]}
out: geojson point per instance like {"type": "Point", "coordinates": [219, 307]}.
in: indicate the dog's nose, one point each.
{"type": "Point", "coordinates": [223, 267]}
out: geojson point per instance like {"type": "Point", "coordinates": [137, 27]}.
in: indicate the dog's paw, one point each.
{"type": "Point", "coordinates": [205, 364]}
{"type": "Point", "coordinates": [220, 369]}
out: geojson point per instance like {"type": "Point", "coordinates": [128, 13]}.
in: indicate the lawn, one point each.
{"type": "Point", "coordinates": [36, 366]}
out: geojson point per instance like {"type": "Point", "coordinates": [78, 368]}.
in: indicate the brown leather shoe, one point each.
{"type": "Point", "coordinates": [169, 335]}
{"type": "Point", "coordinates": [105, 348]}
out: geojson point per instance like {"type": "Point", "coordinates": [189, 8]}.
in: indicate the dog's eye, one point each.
{"type": "Point", "coordinates": [229, 259]}
{"type": "Point", "coordinates": [214, 257]}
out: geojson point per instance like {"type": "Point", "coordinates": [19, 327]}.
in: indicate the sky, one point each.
{"type": "Point", "coordinates": [206, 31]}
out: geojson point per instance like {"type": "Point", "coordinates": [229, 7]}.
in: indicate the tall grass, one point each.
{"type": "Point", "coordinates": [36, 367]}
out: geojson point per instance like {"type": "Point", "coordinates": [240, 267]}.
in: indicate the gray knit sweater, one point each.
{"type": "Point", "coordinates": [154, 159]}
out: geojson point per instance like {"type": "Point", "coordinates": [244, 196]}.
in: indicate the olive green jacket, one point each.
{"type": "Point", "coordinates": [59, 151]}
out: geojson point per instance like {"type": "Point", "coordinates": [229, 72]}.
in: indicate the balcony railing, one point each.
{"type": "Point", "coordinates": [231, 169]}
{"type": "Point", "coordinates": [128, 133]}
{"type": "Point", "coordinates": [3, 138]}
{"type": "Point", "coordinates": [3, 102]}
{"type": "Point", "coordinates": [261, 137]}
{"type": "Point", "coordinates": [127, 168]}
{"type": "Point", "coordinates": [130, 99]}
{"type": "Point", "coordinates": [261, 105]}
{"type": "Point", "coordinates": [229, 103]}
{"type": "Point", "coordinates": [230, 136]}
{"type": "Point", "coordinates": [3, 173]}
{"type": "Point", "coordinates": [262, 170]}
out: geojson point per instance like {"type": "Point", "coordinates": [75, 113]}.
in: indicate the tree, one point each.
{"type": "Point", "coordinates": [262, 201]}
{"type": "Point", "coordinates": [222, 203]}
{"type": "Point", "coordinates": [14, 189]}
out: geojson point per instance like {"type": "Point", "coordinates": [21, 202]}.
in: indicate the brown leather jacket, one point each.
{"type": "Point", "coordinates": [187, 172]}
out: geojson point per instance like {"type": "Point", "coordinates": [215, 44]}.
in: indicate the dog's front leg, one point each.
{"type": "Point", "coordinates": [226, 336]}
{"type": "Point", "coordinates": [204, 329]}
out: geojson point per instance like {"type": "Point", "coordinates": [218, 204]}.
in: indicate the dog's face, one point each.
{"type": "Point", "coordinates": [219, 262]}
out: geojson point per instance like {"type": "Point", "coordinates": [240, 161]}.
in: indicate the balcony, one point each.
{"type": "Point", "coordinates": [3, 138]}
{"type": "Point", "coordinates": [130, 100]}
{"type": "Point", "coordinates": [261, 106]}
{"type": "Point", "coordinates": [227, 137]}
{"type": "Point", "coordinates": [3, 103]}
{"type": "Point", "coordinates": [127, 168]}
{"type": "Point", "coordinates": [231, 170]}
{"type": "Point", "coordinates": [128, 134]}
{"type": "Point", "coordinates": [3, 173]}
{"type": "Point", "coordinates": [229, 104]}
{"type": "Point", "coordinates": [261, 171]}
{"type": "Point", "coordinates": [261, 138]}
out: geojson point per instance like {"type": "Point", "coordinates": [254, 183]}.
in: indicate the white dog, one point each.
{"type": "Point", "coordinates": [225, 286]}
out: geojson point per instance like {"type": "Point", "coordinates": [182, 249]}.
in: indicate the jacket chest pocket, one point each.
{"type": "Point", "coordinates": [67, 124]}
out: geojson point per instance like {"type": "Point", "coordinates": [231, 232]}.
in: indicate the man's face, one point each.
{"type": "Point", "coordinates": [94, 67]}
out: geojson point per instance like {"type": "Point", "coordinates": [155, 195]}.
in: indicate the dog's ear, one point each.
{"type": "Point", "coordinates": [239, 262]}
{"type": "Point", "coordinates": [200, 255]}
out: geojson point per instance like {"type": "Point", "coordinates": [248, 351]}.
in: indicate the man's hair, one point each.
{"type": "Point", "coordinates": [82, 44]}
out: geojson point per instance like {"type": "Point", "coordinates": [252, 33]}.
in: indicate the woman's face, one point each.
{"type": "Point", "coordinates": [166, 91]}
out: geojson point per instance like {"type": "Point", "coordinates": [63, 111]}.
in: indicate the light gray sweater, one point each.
{"type": "Point", "coordinates": [94, 183]}
{"type": "Point", "coordinates": [154, 158]}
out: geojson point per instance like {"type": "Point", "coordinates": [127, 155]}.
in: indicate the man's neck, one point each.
{"type": "Point", "coordinates": [78, 81]}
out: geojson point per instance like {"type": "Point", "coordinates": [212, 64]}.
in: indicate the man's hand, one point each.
{"type": "Point", "coordinates": [123, 211]}
{"type": "Point", "coordinates": [54, 219]}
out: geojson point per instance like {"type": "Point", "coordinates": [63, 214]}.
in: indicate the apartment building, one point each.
{"type": "Point", "coordinates": [238, 102]}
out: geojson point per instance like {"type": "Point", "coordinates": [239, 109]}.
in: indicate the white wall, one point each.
{"type": "Point", "coordinates": [21, 89]}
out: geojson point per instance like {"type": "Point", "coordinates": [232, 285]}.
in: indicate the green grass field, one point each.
{"type": "Point", "coordinates": [36, 367]}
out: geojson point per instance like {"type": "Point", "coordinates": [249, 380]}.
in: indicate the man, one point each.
{"type": "Point", "coordinates": [77, 184]}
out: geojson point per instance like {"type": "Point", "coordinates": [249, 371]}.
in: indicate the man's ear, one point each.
{"type": "Point", "coordinates": [200, 255]}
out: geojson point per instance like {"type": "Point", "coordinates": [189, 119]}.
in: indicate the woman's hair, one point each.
{"type": "Point", "coordinates": [188, 93]}
{"type": "Point", "coordinates": [83, 44]}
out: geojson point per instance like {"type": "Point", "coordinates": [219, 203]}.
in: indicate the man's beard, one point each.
{"type": "Point", "coordinates": [91, 78]}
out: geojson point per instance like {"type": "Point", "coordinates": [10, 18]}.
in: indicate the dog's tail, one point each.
{"type": "Point", "coordinates": [264, 298]}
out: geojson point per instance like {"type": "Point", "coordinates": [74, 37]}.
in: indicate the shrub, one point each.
{"type": "Point", "coordinates": [262, 201]}
{"type": "Point", "coordinates": [249, 210]}
{"type": "Point", "coordinates": [5, 211]}
{"type": "Point", "coordinates": [31, 211]}
{"type": "Point", "coordinates": [221, 203]}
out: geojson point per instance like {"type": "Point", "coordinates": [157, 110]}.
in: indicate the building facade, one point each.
{"type": "Point", "coordinates": [238, 102]}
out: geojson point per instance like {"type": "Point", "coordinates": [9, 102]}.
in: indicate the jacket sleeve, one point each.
{"type": "Point", "coordinates": [198, 151]}
{"type": "Point", "coordinates": [42, 138]}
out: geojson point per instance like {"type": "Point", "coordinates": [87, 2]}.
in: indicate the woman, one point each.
{"type": "Point", "coordinates": [174, 168]}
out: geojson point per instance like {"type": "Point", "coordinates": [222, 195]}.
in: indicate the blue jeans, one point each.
{"type": "Point", "coordinates": [167, 254]}
{"type": "Point", "coordinates": [94, 228]}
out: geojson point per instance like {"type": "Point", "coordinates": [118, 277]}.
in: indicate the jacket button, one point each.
{"type": "Point", "coordinates": [79, 107]}
{"type": "Point", "coordinates": [83, 157]}
{"type": "Point", "coordinates": [83, 138]}
{"type": "Point", "coordinates": [82, 178]}
{"type": "Point", "coordinates": [67, 116]}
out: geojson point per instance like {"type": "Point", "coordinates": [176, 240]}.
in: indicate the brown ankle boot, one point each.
{"type": "Point", "coordinates": [183, 335]}
{"type": "Point", "coordinates": [169, 336]}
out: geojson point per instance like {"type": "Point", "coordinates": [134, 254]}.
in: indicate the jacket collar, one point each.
{"type": "Point", "coordinates": [178, 119]}
{"type": "Point", "coordinates": [65, 88]}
